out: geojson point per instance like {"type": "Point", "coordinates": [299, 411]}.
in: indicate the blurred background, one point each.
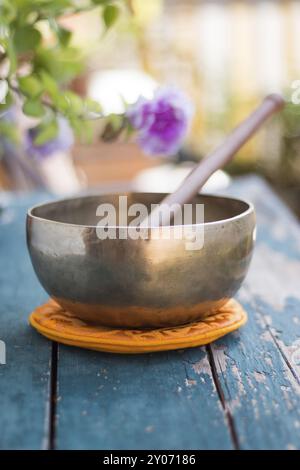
{"type": "Point", "coordinates": [226, 55]}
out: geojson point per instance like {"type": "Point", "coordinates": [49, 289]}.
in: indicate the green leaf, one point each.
{"type": "Point", "coordinates": [33, 107]}
{"type": "Point", "coordinates": [44, 8]}
{"type": "Point", "coordinates": [46, 131]}
{"type": "Point", "coordinates": [49, 84]}
{"type": "Point", "coordinates": [61, 103]}
{"type": "Point", "coordinates": [8, 102]}
{"type": "Point", "coordinates": [64, 35]}
{"type": "Point", "coordinates": [75, 103]}
{"type": "Point", "coordinates": [7, 11]}
{"type": "Point", "coordinates": [110, 14]}
{"type": "Point", "coordinates": [68, 103]}
{"type": "Point", "coordinates": [9, 130]}
{"type": "Point", "coordinates": [31, 86]}
{"type": "Point", "coordinates": [11, 54]}
{"type": "Point", "coordinates": [83, 129]}
{"type": "Point", "coordinates": [114, 127]}
{"type": "Point", "coordinates": [92, 106]}
{"type": "Point", "coordinates": [62, 64]}
{"type": "Point", "coordinates": [100, 2]}
{"type": "Point", "coordinates": [4, 32]}
{"type": "Point", "coordinates": [26, 38]}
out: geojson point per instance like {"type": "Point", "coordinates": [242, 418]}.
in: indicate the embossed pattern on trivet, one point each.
{"type": "Point", "coordinates": [61, 326]}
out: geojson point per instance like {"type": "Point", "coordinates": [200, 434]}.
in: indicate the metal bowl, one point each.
{"type": "Point", "coordinates": [139, 283]}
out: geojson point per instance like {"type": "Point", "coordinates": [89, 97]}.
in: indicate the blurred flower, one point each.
{"type": "Point", "coordinates": [62, 142]}
{"type": "Point", "coordinates": [162, 122]}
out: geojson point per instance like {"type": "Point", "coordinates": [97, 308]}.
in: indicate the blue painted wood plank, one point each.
{"type": "Point", "coordinates": [24, 379]}
{"type": "Point", "coordinates": [154, 401]}
{"type": "Point", "coordinates": [258, 367]}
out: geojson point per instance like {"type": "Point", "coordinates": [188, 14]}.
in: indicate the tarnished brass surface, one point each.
{"type": "Point", "coordinates": [139, 283]}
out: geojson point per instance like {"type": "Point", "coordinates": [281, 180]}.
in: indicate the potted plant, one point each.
{"type": "Point", "coordinates": [35, 78]}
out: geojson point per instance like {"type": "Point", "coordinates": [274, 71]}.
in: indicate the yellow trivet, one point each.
{"type": "Point", "coordinates": [61, 326]}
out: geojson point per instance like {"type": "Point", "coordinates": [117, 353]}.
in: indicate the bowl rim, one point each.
{"type": "Point", "coordinates": [250, 209]}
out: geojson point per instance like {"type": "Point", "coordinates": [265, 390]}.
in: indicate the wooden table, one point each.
{"type": "Point", "coordinates": [241, 392]}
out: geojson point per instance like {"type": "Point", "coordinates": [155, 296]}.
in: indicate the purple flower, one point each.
{"type": "Point", "coordinates": [61, 143]}
{"type": "Point", "coordinates": [162, 122]}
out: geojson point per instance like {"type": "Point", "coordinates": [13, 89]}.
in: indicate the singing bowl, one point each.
{"type": "Point", "coordinates": [139, 283]}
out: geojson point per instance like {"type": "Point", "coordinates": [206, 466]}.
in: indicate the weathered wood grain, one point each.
{"type": "Point", "coordinates": [24, 379]}
{"type": "Point", "coordinates": [154, 401]}
{"type": "Point", "coordinates": [258, 367]}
